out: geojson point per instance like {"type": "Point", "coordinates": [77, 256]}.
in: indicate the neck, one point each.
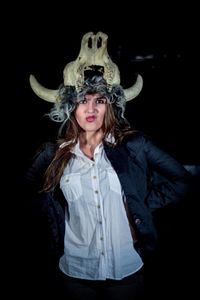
{"type": "Point", "coordinates": [89, 141]}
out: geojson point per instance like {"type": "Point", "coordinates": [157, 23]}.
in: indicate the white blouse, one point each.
{"type": "Point", "coordinates": [98, 241]}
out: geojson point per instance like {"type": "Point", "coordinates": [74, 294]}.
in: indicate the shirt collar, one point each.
{"type": "Point", "coordinates": [109, 138]}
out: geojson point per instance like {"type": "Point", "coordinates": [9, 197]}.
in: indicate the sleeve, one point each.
{"type": "Point", "coordinates": [42, 213]}
{"type": "Point", "coordinates": [32, 181]}
{"type": "Point", "coordinates": [168, 180]}
{"type": "Point", "coordinates": [34, 176]}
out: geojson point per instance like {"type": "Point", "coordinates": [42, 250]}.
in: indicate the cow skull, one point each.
{"type": "Point", "coordinates": [93, 53]}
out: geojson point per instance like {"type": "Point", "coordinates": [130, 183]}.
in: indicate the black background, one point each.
{"type": "Point", "coordinates": [42, 40]}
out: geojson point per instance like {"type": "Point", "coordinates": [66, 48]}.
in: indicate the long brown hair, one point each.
{"type": "Point", "coordinates": [69, 138]}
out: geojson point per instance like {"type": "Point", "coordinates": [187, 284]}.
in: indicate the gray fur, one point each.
{"type": "Point", "coordinates": [96, 84]}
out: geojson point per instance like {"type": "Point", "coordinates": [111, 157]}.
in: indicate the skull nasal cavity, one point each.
{"type": "Point", "coordinates": [90, 43]}
{"type": "Point", "coordinates": [99, 42]}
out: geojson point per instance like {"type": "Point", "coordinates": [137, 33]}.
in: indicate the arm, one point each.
{"type": "Point", "coordinates": [169, 181]}
{"type": "Point", "coordinates": [34, 175]}
{"type": "Point", "coordinates": [32, 181]}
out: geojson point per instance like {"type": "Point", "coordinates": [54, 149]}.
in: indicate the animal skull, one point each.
{"type": "Point", "coordinates": [93, 53]}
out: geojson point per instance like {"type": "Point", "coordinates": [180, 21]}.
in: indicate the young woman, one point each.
{"type": "Point", "coordinates": [97, 186]}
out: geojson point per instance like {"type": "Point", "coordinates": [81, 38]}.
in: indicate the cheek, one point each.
{"type": "Point", "coordinates": [102, 115]}
{"type": "Point", "coordinates": [101, 119]}
{"type": "Point", "coordinates": [78, 113]}
{"type": "Point", "coordinates": [78, 116]}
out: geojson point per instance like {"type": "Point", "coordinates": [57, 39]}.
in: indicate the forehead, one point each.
{"type": "Point", "coordinates": [93, 96]}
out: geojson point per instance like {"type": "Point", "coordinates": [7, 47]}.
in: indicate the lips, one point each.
{"type": "Point", "coordinates": [91, 119]}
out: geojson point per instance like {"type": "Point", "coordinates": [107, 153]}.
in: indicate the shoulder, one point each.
{"type": "Point", "coordinates": [49, 148]}
{"type": "Point", "coordinates": [46, 151]}
{"type": "Point", "coordinates": [141, 145]}
{"type": "Point", "coordinates": [135, 142]}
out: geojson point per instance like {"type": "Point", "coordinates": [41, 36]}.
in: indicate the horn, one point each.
{"type": "Point", "coordinates": [134, 90]}
{"type": "Point", "coordinates": [42, 92]}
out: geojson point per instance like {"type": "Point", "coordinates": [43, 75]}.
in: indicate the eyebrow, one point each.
{"type": "Point", "coordinates": [97, 98]}
{"type": "Point", "coordinates": [100, 97]}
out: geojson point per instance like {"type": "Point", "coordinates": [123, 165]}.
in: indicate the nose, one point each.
{"type": "Point", "coordinates": [91, 106]}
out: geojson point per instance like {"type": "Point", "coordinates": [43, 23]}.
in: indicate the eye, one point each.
{"type": "Point", "coordinates": [83, 101]}
{"type": "Point", "coordinates": [101, 100]}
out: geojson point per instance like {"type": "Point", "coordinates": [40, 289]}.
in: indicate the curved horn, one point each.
{"type": "Point", "coordinates": [42, 92]}
{"type": "Point", "coordinates": [134, 90]}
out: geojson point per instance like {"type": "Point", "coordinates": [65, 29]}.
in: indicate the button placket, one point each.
{"type": "Point", "coordinates": [97, 196]}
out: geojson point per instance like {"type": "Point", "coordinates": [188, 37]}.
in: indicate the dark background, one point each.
{"type": "Point", "coordinates": [157, 41]}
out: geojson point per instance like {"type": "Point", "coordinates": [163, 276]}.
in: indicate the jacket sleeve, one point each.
{"type": "Point", "coordinates": [169, 182]}
{"type": "Point", "coordinates": [34, 175]}
{"type": "Point", "coordinates": [46, 215]}
{"type": "Point", "coordinates": [32, 181]}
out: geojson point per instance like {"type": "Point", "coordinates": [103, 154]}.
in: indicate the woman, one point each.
{"type": "Point", "coordinates": [102, 180]}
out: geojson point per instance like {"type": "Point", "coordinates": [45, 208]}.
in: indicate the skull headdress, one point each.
{"type": "Point", "coordinates": [93, 56]}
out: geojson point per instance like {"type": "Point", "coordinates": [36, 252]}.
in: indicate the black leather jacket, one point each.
{"type": "Point", "coordinates": [149, 177]}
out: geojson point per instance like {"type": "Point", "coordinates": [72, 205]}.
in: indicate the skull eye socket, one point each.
{"type": "Point", "coordinates": [90, 42]}
{"type": "Point", "coordinates": [99, 42]}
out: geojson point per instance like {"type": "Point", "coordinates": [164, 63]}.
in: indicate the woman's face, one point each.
{"type": "Point", "coordinates": [90, 112]}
